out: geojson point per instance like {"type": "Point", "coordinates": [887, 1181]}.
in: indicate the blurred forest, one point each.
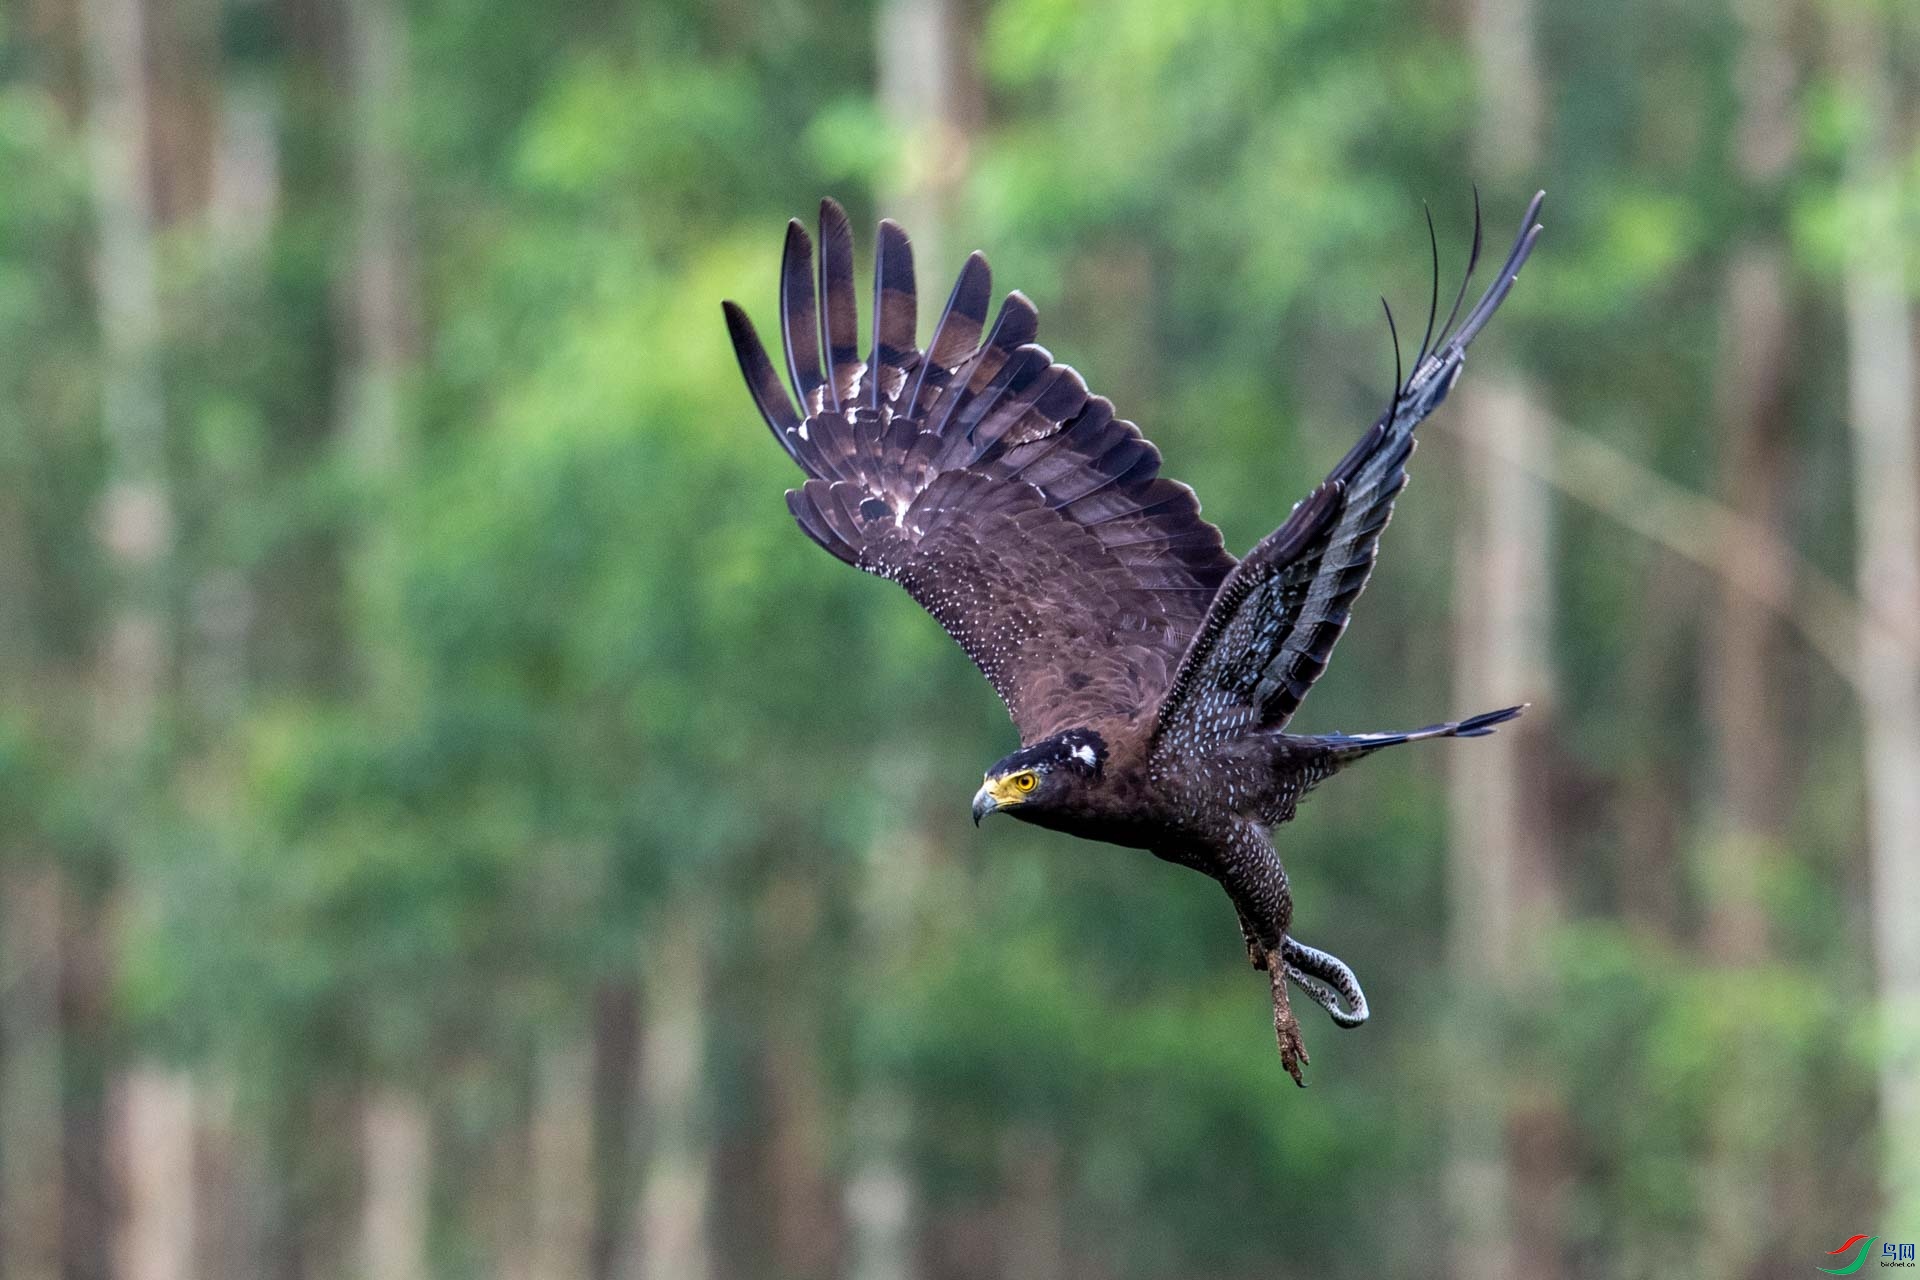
{"type": "Point", "coordinates": [453, 824]}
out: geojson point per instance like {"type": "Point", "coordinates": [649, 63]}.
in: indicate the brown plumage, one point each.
{"type": "Point", "coordinates": [1150, 674]}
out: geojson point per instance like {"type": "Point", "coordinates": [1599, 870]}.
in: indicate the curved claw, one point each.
{"type": "Point", "coordinates": [1286, 1027]}
{"type": "Point", "coordinates": [1327, 981]}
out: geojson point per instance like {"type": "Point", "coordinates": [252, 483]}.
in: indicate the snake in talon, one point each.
{"type": "Point", "coordinates": [1327, 981]}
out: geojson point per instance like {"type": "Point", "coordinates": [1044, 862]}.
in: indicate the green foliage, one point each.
{"type": "Point", "coordinates": [633, 689]}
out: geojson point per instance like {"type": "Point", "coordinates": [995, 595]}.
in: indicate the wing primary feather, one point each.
{"type": "Point", "coordinates": [972, 473]}
{"type": "Point", "coordinates": [1291, 597]}
{"type": "Point", "coordinates": [1035, 458]}
{"type": "Point", "coordinates": [762, 380]}
{"type": "Point", "coordinates": [1018, 322]}
{"type": "Point", "coordinates": [799, 318]}
{"type": "Point", "coordinates": [1473, 260]}
{"type": "Point", "coordinates": [1015, 327]}
{"type": "Point", "coordinates": [894, 305]}
{"type": "Point", "coordinates": [1016, 376]}
{"type": "Point", "coordinates": [1035, 412]}
{"type": "Point", "coordinates": [1394, 334]}
{"type": "Point", "coordinates": [1509, 272]}
{"type": "Point", "coordinates": [955, 337]}
{"type": "Point", "coordinates": [1433, 302]}
{"type": "Point", "coordinates": [839, 313]}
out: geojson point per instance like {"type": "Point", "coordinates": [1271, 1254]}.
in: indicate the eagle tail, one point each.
{"type": "Point", "coordinates": [1347, 747]}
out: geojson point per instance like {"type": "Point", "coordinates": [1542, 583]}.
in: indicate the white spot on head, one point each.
{"type": "Point", "coordinates": [1084, 754]}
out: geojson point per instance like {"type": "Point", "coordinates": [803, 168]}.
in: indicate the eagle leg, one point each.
{"type": "Point", "coordinates": [1324, 977]}
{"type": "Point", "coordinates": [1256, 950]}
{"type": "Point", "coordinates": [1286, 1027]}
{"type": "Point", "coordinates": [1250, 871]}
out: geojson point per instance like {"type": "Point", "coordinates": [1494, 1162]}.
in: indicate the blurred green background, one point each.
{"type": "Point", "coordinates": [453, 824]}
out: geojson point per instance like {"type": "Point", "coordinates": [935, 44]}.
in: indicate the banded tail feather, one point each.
{"type": "Point", "coordinates": [1351, 746]}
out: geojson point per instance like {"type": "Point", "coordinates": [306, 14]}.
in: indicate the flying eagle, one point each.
{"type": "Point", "coordinates": [1150, 674]}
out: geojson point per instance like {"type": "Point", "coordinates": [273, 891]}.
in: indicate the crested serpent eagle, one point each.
{"type": "Point", "coordinates": [1150, 674]}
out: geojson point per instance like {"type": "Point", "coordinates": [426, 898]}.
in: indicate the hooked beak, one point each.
{"type": "Point", "coordinates": [995, 793]}
{"type": "Point", "coordinates": [984, 802]}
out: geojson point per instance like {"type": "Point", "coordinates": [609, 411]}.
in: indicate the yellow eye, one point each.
{"type": "Point", "coordinates": [1025, 782]}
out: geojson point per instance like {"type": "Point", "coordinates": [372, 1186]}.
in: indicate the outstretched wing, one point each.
{"type": "Point", "coordinates": [982, 477]}
{"type": "Point", "coordinates": [1268, 634]}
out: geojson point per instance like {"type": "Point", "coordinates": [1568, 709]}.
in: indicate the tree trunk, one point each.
{"type": "Point", "coordinates": [671, 1238]}
{"type": "Point", "coordinates": [496, 1199]}
{"type": "Point", "coordinates": [30, 1138]}
{"type": "Point", "coordinates": [881, 1196]}
{"type": "Point", "coordinates": [383, 331]}
{"type": "Point", "coordinates": [616, 1067]}
{"type": "Point", "coordinates": [227, 1192]}
{"type": "Point", "coordinates": [396, 1130]}
{"type": "Point", "coordinates": [1500, 885]}
{"type": "Point", "coordinates": [396, 1171]}
{"type": "Point", "coordinates": [242, 192]}
{"type": "Point", "coordinates": [930, 89]}
{"type": "Point", "coordinates": [1503, 1177]}
{"type": "Point", "coordinates": [1743, 674]}
{"type": "Point", "coordinates": [382, 334]}
{"type": "Point", "coordinates": [136, 516]}
{"type": "Point", "coordinates": [153, 1107]}
{"type": "Point", "coordinates": [805, 1229]}
{"type": "Point", "coordinates": [87, 1196]}
{"type": "Point", "coordinates": [562, 1179]}
{"type": "Point", "coordinates": [929, 82]}
{"type": "Point", "coordinates": [1884, 422]}
{"type": "Point", "coordinates": [154, 1127]}
{"type": "Point", "coordinates": [1033, 1226]}
{"type": "Point", "coordinates": [1651, 805]}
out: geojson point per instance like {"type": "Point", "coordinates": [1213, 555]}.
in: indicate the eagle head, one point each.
{"type": "Point", "coordinates": [1043, 778]}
